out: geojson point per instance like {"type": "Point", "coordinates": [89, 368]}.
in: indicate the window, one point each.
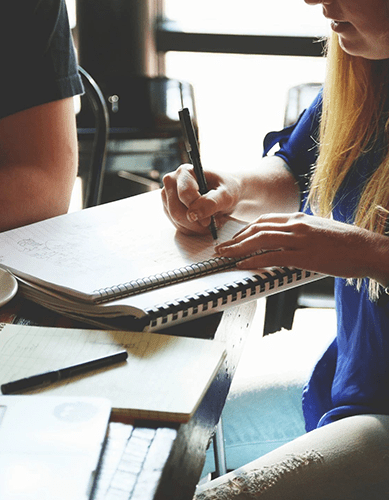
{"type": "Point", "coordinates": [261, 17]}
{"type": "Point", "coordinates": [240, 97]}
{"type": "Point", "coordinates": [71, 6]}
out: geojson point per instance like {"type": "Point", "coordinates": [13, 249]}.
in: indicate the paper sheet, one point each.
{"type": "Point", "coordinates": [164, 377]}
{"type": "Point", "coordinates": [105, 246]}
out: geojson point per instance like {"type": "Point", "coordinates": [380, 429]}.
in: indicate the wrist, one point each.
{"type": "Point", "coordinates": [379, 261]}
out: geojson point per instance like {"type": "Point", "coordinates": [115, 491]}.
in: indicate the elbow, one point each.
{"type": "Point", "coordinates": [59, 187]}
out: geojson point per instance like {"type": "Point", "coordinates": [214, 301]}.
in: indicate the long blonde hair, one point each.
{"type": "Point", "coordinates": [355, 100]}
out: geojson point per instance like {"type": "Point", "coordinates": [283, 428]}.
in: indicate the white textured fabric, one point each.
{"type": "Point", "coordinates": [344, 460]}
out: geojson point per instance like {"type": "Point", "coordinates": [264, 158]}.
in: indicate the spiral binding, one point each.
{"type": "Point", "coordinates": [161, 280]}
{"type": "Point", "coordinates": [209, 300]}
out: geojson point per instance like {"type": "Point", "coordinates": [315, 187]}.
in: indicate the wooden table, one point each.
{"type": "Point", "coordinates": [173, 469]}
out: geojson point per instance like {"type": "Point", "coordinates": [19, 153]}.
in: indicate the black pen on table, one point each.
{"type": "Point", "coordinates": [56, 375]}
{"type": "Point", "coordinates": [192, 149]}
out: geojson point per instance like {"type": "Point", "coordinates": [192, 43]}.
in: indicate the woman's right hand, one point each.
{"type": "Point", "coordinates": [191, 212]}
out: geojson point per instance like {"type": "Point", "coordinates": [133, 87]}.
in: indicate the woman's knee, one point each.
{"type": "Point", "coordinates": [345, 460]}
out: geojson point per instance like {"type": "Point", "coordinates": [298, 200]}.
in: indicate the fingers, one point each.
{"type": "Point", "coordinates": [301, 241]}
{"type": "Point", "coordinates": [268, 258]}
{"type": "Point", "coordinates": [186, 185]}
{"type": "Point", "coordinates": [264, 249]}
{"type": "Point", "coordinates": [180, 187]}
{"type": "Point", "coordinates": [274, 222]}
{"type": "Point", "coordinates": [179, 194]}
{"type": "Point", "coordinates": [270, 241]}
{"type": "Point", "coordinates": [251, 242]}
{"type": "Point", "coordinates": [268, 233]}
{"type": "Point", "coordinates": [221, 198]}
{"type": "Point", "coordinates": [188, 210]}
{"type": "Point", "coordinates": [176, 210]}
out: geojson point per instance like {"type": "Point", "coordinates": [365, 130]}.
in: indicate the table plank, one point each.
{"type": "Point", "coordinates": [186, 460]}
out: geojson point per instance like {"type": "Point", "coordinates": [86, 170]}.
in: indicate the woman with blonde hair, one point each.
{"type": "Point", "coordinates": [322, 204]}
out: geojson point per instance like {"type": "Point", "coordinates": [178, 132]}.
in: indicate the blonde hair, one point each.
{"type": "Point", "coordinates": [354, 112]}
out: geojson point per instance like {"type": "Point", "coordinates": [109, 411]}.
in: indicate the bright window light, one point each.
{"type": "Point", "coordinates": [277, 17]}
{"type": "Point", "coordinates": [239, 98]}
{"type": "Point", "coordinates": [71, 6]}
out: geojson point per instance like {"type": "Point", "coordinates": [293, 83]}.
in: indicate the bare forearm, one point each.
{"type": "Point", "coordinates": [376, 257]}
{"type": "Point", "coordinates": [29, 194]}
{"type": "Point", "coordinates": [269, 188]}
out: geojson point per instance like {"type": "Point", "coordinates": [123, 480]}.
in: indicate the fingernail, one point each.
{"type": "Point", "coordinates": [220, 250]}
{"type": "Point", "coordinates": [192, 216]}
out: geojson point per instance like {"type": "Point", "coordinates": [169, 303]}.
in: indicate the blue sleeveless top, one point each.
{"type": "Point", "coordinates": [352, 376]}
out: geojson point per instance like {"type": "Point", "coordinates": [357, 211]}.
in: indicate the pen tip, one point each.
{"type": "Point", "coordinates": [213, 228]}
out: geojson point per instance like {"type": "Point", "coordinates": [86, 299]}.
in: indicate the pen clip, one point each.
{"type": "Point", "coordinates": [192, 149]}
{"type": "Point", "coordinates": [190, 140]}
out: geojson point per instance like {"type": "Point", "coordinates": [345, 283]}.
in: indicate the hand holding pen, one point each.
{"type": "Point", "coordinates": [192, 148]}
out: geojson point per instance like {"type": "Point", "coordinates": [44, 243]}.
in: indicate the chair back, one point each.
{"type": "Point", "coordinates": [93, 178]}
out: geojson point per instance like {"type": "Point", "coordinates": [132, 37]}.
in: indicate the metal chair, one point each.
{"type": "Point", "coordinates": [92, 177]}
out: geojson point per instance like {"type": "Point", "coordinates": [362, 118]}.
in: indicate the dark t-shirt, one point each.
{"type": "Point", "coordinates": [38, 63]}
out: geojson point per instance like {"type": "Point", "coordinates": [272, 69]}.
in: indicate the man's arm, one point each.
{"type": "Point", "coordinates": [38, 163]}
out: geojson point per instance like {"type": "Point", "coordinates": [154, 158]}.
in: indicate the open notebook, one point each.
{"type": "Point", "coordinates": [123, 265]}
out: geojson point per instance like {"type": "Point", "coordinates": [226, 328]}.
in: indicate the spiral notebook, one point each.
{"type": "Point", "coordinates": [124, 265]}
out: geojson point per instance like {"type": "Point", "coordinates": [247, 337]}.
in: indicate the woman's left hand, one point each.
{"type": "Point", "coordinates": [313, 243]}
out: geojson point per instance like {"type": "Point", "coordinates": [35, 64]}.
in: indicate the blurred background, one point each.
{"type": "Point", "coordinates": [232, 63]}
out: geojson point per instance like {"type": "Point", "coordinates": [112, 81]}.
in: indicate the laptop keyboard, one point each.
{"type": "Point", "coordinates": [122, 461]}
{"type": "Point", "coordinates": [128, 452]}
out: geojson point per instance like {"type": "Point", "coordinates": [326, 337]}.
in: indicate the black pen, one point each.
{"type": "Point", "coordinates": [57, 375]}
{"type": "Point", "coordinates": [192, 149]}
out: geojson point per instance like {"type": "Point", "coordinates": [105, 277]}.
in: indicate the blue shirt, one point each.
{"type": "Point", "coordinates": [352, 376]}
{"type": "Point", "coordinates": [38, 63]}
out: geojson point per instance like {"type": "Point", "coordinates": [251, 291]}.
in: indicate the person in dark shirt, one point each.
{"type": "Point", "coordinates": [38, 137]}
{"type": "Point", "coordinates": [321, 203]}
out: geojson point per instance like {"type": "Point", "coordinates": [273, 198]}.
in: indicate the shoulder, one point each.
{"type": "Point", "coordinates": [300, 134]}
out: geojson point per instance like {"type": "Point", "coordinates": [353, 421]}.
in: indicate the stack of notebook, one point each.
{"type": "Point", "coordinates": [123, 265]}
